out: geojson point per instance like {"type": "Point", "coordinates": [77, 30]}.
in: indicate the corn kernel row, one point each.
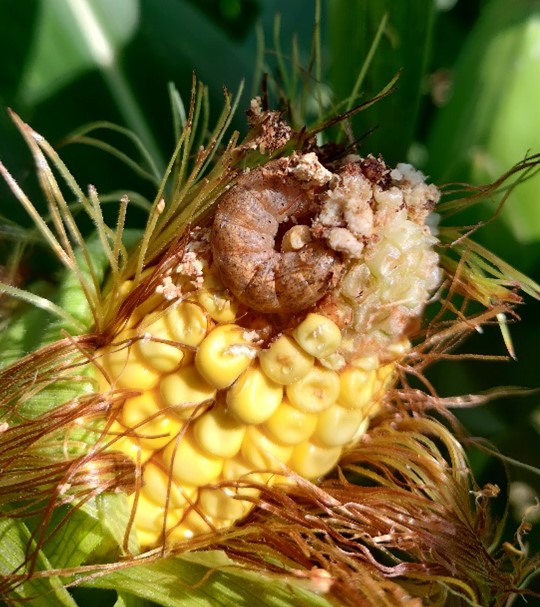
{"type": "Point", "coordinates": [216, 405]}
{"type": "Point", "coordinates": [222, 395]}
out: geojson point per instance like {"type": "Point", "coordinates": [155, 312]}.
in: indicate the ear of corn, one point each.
{"type": "Point", "coordinates": [228, 394]}
{"type": "Point", "coordinates": [203, 404]}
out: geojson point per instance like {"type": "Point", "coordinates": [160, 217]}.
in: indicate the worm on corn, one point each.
{"type": "Point", "coordinates": [277, 340]}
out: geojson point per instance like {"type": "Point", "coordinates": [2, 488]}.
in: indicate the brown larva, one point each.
{"type": "Point", "coordinates": [264, 257]}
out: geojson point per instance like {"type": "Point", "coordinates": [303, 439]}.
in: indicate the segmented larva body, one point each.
{"type": "Point", "coordinates": [266, 275]}
{"type": "Point", "coordinates": [272, 344]}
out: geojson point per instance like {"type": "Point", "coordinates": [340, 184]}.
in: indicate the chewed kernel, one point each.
{"type": "Point", "coordinates": [147, 419]}
{"type": "Point", "coordinates": [262, 452]}
{"type": "Point", "coordinates": [285, 362]}
{"type": "Point", "coordinates": [311, 460]}
{"type": "Point", "coordinates": [224, 354]}
{"type": "Point", "coordinates": [356, 388]}
{"type": "Point", "coordinates": [291, 426]}
{"type": "Point", "coordinates": [219, 433]}
{"type": "Point", "coordinates": [315, 392]}
{"type": "Point", "coordinates": [187, 323]}
{"type": "Point", "coordinates": [160, 488]}
{"type": "Point", "coordinates": [184, 390]}
{"type": "Point", "coordinates": [337, 425]}
{"type": "Point", "coordinates": [318, 335]}
{"type": "Point", "coordinates": [254, 396]}
{"type": "Point", "coordinates": [189, 463]}
{"type": "Point", "coordinates": [125, 368]}
{"type": "Point", "coordinates": [218, 304]}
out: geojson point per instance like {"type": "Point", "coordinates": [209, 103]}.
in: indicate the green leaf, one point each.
{"type": "Point", "coordinates": [403, 47]}
{"type": "Point", "coordinates": [114, 514]}
{"type": "Point", "coordinates": [205, 580]}
{"type": "Point", "coordinates": [86, 35]}
{"type": "Point", "coordinates": [492, 122]}
{"type": "Point", "coordinates": [130, 600]}
{"type": "Point", "coordinates": [74, 36]}
{"type": "Point", "coordinates": [77, 536]}
{"type": "Point", "coordinates": [43, 592]}
{"type": "Point", "coordinates": [84, 535]}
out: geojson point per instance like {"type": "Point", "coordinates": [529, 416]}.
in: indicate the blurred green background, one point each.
{"type": "Point", "coordinates": [466, 108]}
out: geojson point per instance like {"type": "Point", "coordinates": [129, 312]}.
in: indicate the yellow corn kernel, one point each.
{"type": "Point", "coordinates": [189, 463]}
{"type": "Point", "coordinates": [223, 503]}
{"type": "Point", "coordinates": [336, 426]}
{"type": "Point", "coordinates": [238, 469]}
{"type": "Point", "coordinates": [311, 460]}
{"type": "Point", "coordinates": [211, 278]}
{"type": "Point", "coordinates": [145, 416]}
{"type": "Point", "coordinates": [224, 354]}
{"type": "Point", "coordinates": [385, 374]}
{"type": "Point", "coordinates": [149, 305]}
{"type": "Point", "coordinates": [125, 368]}
{"type": "Point", "coordinates": [262, 452]}
{"type": "Point", "coordinates": [361, 430]}
{"type": "Point", "coordinates": [315, 392]}
{"type": "Point", "coordinates": [147, 538]}
{"type": "Point", "coordinates": [318, 335]}
{"type": "Point", "coordinates": [188, 524]}
{"type": "Point", "coordinates": [254, 396]}
{"type": "Point", "coordinates": [334, 361]}
{"type": "Point", "coordinates": [291, 426]}
{"type": "Point", "coordinates": [220, 305]}
{"type": "Point", "coordinates": [148, 516]}
{"type": "Point", "coordinates": [219, 433]}
{"type": "Point", "coordinates": [285, 362]}
{"type": "Point", "coordinates": [160, 356]}
{"type": "Point", "coordinates": [187, 323]}
{"type": "Point", "coordinates": [123, 439]}
{"type": "Point", "coordinates": [400, 348]}
{"type": "Point", "coordinates": [366, 363]}
{"type": "Point", "coordinates": [184, 390]}
{"type": "Point", "coordinates": [357, 388]}
{"type": "Point", "coordinates": [161, 489]}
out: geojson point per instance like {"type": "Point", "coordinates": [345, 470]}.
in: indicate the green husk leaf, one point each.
{"type": "Point", "coordinates": [114, 513]}
{"type": "Point", "coordinates": [36, 328]}
{"type": "Point", "coordinates": [491, 122]}
{"type": "Point", "coordinates": [130, 600]}
{"type": "Point", "coordinates": [83, 535]}
{"type": "Point", "coordinates": [207, 579]}
{"type": "Point", "coordinates": [74, 37]}
{"type": "Point", "coordinates": [43, 592]}
{"type": "Point", "coordinates": [403, 47]}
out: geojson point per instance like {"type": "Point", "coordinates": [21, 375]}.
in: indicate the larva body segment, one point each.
{"type": "Point", "coordinates": [265, 204]}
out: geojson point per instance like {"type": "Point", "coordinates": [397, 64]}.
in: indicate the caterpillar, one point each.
{"type": "Point", "coordinates": [262, 246]}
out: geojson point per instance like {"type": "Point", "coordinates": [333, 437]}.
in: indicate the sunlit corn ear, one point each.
{"type": "Point", "coordinates": [274, 355]}
{"type": "Point", "coordinates": [235, 352]}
